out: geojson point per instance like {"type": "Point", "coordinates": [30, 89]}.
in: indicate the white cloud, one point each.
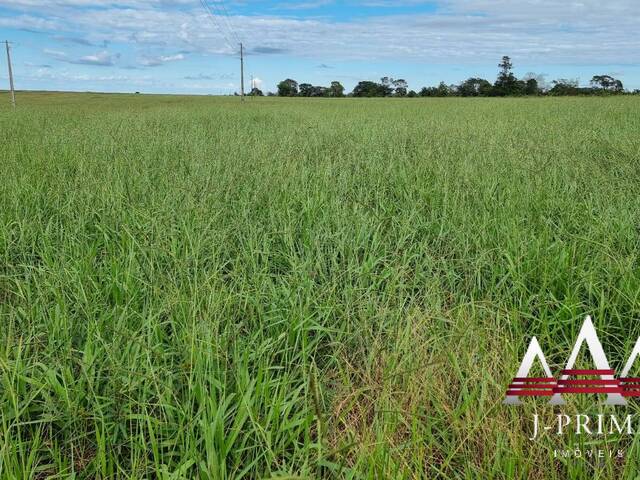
{"type": "Point", "coordinates": [303, 5]}
{"type": "Point", "coordinates": [103, 58]}
{"type": "Point", "coordinates": [68, 76]}
{"type": "Point", "coordinates": [30, 22]}
{"type": "Point", "coordinates": [148, 61]}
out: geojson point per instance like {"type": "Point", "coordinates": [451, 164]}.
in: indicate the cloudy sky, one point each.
{"type": "Point", "coordinates": [179, 46]}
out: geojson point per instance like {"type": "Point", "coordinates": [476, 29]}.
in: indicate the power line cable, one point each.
{"type": "Point", "coordinates": [216, 22]}
{"type": "Point", "coordinates": [221, 14]}
{"type": "Point", "coordinates": [214, 19]}
{"type": "Point", "coordinates": [227, 18]}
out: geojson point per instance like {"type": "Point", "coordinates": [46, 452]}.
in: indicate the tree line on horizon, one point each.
{"type": "Point", "coordinates": [506, 85]}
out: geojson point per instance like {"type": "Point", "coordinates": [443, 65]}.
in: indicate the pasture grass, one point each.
{"type": "Point", "coordinates": [191, 287]}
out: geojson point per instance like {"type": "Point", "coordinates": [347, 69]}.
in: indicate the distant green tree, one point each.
{"type": "Point", "coordinates": [562, 87]}
{"type": "Point", "coordinates": [428, 92]}
{"type": "Point", "coordinates": [412, 94]}
{"type": "Point", "coordinates": [319, 92]}
{"type": "Point", "coordinates": [400, 87]}
{"type": "Point", "coordinates": [531, 87]}
{"type": "Point", "coordinates": [385, 87]}
{"type": "Point", "coordinates": [607, 83]}
{"type": "Point", "coordinates": [306, 89]}
{"type": "Point", "coordinates": [475, 87]}
{"type": "Point", "coordinates": [507, 83]}
{"type": "Point", "coordinates": [368, 89]}
{"type": "Point", "coordinates": [443, 90]}
{"type": "Point", "coordinates": [256, 92]}
{"type": "Point", "coordinates": [336, 89]}
{"type": "Point", "coordinates": [288, 88]}
{"type": "Point", "coordinates": [387, 82]}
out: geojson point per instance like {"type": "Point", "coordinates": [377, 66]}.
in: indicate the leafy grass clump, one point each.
{"type": "Point", "coordinates": [198, 288]}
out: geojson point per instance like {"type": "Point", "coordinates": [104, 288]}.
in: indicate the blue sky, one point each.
{"type": "Point", "coordinates": [163, 46]}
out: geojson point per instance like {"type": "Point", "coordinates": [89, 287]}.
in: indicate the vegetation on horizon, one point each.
{"type": "Point", "coordinates": [506, 85]}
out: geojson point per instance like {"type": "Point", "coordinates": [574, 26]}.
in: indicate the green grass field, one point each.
{"type": "Point", "coordinates": [191, 287]}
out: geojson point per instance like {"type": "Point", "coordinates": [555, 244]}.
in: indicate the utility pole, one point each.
{"type": "Point", "coordinates": [13, 92]}
{"type": "Point", "coordinates": [241, 72]}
